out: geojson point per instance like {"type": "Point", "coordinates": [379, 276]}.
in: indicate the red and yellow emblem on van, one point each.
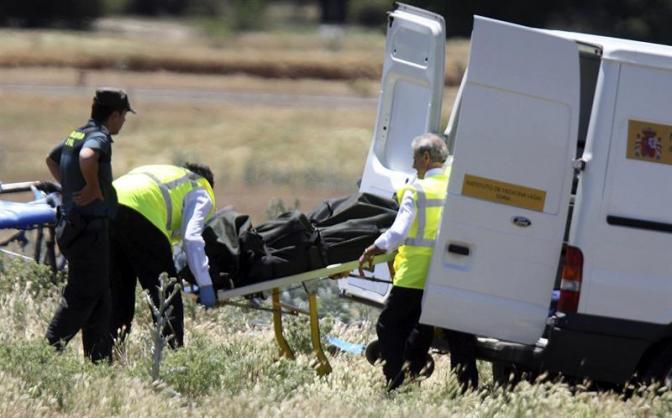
{"type": "Point", "coordinates": [646, 142]}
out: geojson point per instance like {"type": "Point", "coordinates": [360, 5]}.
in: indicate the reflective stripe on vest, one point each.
{"type": "Point", "coordinates": [157, 192]}
{"type": "Point", "coordinates": [414, 256]}
{"type": "Point", "coordinates": [422, 203]}
{"type": "Point", "coordinates": [165, 190]}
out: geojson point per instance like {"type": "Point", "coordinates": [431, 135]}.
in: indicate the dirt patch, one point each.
{"type": "Point", "coordinates": [144, 28]}
{"type": "Point", "coordinates": [40, 76]}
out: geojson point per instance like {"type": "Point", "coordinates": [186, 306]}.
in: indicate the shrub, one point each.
{"type": "Point", "coordinates": [371, 13]}
{"type": "Point", "coordinates": [245, 15]}
{"type": "Point", "coordinates": [40, 13]}
{"type": "Point", "coordinates": [45, 373]}
{"type": "Point", "coordinates": [23, 274]}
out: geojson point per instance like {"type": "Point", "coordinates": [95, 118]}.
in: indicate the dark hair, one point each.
{"type": "Point", "coordinates": [101, 113]}
{"type": "Point", "coordinates": [202, 170]}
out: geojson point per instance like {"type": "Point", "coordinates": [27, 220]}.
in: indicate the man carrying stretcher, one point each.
{"type": "Point", "coordinates": [159, 206]}
{"type": "Point", "coordinates": [401, 338]}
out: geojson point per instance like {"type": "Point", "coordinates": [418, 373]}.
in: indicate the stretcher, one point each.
{"type": "Point", "coordinates": [38, 214]}
{"type": "Point", "coordinates": [309, 282]}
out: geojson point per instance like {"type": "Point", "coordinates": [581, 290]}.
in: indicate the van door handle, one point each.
{"type": "Point", "coordinates": [458, 249]}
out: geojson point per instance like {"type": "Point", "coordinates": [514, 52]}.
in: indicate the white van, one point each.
{"type": "Point", "coordinates": [561, 171]}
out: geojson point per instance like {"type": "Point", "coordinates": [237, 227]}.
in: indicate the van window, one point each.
{"type": "Point", "coordinates": [406, 116]}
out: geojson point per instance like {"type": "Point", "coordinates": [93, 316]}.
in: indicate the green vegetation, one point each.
{"type": "Point", "coordinates": [230, 367]}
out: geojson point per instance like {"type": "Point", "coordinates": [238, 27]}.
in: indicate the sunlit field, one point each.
{"type": "Point", "coordinates": [284, 120]}
{"type": "Point", "coordinates": [257, 152]}
{"type": "Point", "coordinates": [299, 132]}
{"type": "Point", "coordinates": [231, 367]}
{"type": "Point", "coordinates": [259, 149]}
{"type": "Point", "coordinates": [357, 54]}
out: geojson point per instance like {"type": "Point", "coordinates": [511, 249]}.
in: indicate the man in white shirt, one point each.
{"type": "Point", "coordinates": [402, 339]}
{"type": "Point", "coordinates": [160, 206]}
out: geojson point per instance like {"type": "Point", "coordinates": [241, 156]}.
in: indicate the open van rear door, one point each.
{"type": "Point", "coordinates": [409, 105]}
{"type": "Point", "coordinates": [497, 252]}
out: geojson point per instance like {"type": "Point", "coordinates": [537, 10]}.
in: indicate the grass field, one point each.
{"type": "Point", "coordinates": [358, 54]}
{"type": "Point", "coordinates": [230, 367]}
{"type": "Point", "coordinates": [260, 151]}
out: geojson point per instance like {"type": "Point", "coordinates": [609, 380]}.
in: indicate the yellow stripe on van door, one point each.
{"type": "Point", "coordinates": [504, 193]}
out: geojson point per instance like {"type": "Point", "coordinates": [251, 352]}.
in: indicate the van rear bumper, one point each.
{"type": "Point", "coordinates": [581, 346]}
{"type": "Point", "coordinates": [524, 357]}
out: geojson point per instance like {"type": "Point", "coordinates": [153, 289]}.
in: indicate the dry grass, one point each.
{"type": "Point", "coordinates": [41, 76]}
{"type": "Point", "coordinates": [269, 55]}
{"type": "Point", "coordinates": [258, 151]}
{"type": "Point", "coordinates": [230, 367]}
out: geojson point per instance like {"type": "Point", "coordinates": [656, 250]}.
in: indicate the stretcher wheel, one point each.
{"type": "Point", "coordinates": [372, 352]}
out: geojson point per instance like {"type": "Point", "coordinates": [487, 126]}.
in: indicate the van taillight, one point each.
{"type": "Point", "coordinates": [570, 281]}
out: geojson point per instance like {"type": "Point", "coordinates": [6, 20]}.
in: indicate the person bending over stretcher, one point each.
{"type": "Point", "coordinates": [159, 206]}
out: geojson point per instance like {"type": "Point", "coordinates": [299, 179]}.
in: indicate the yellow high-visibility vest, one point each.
{"type": "Point", "coordinates": [412, 261]}
{"type": "Point", "coordinates": [157, 192]}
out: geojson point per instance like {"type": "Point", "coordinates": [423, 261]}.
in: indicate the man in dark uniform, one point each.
{"type": "Point", "coordinates": [82, 164]}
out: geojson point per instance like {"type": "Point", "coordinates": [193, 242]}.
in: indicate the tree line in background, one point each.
{"type": "Point", "coordinates": [646, 20]}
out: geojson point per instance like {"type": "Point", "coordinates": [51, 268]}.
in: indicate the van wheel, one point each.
{"type": "Point", "coordinates": [372, 352]}
{"type": "Point", "coordinates": [660, 369]}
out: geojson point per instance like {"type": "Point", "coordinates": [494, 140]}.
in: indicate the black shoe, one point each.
{"type": "Point", "coordinates": [397, 381]}
{"type": "Point", "coordinates": [422, 370]}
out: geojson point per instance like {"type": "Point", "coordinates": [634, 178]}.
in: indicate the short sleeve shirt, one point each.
{"type": "Point", "coordinates": [96, 137]}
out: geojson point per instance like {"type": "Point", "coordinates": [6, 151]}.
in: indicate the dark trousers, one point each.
{"type": "Point", "coordinates": [140, 251]}
{"type": "Point", "coordinates": [463, 357]}
{"type": "Point", "coordinates": [401, 338]}
{"type": "Point", "coordinates": [85, 303]}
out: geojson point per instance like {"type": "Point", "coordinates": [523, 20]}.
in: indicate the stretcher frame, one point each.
{"type": "Point", "coordinates": [38, 215]}
{"type": "Point", "coordinates": [309, 281]}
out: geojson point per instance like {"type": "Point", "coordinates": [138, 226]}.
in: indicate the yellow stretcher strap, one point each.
{"type": "Point", "coordinates": [285, 350]}
{"type": "Point", "coordinates": [321, 364]}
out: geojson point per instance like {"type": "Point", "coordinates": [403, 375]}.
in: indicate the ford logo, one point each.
{"type": "Point", "coordinates": [521, 221]}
